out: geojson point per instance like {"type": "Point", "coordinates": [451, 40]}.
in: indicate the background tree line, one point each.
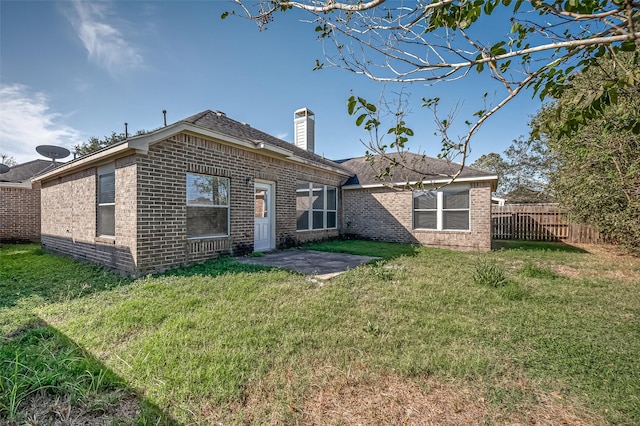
{"type": "Point", "coordinates": [592, 170]}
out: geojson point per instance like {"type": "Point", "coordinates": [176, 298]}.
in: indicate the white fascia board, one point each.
{"type": "Point", "coordinates": [141, 144]}
{"type": "Point", "coordinates": [253, 144]}
{"type": "Point", "coordinates": [99, 156]}
{"type": "Point", "coordinates": [424, 183]}
{"type": "Point", "coordinates": [272, 148]}
{"type": "Point", "coordinates": [21, 185]}
{"type": "Point", "coordinates": [319, 165]}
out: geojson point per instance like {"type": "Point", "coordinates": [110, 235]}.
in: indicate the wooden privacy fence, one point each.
{"type": "Point", "coordinates": [539, 223]}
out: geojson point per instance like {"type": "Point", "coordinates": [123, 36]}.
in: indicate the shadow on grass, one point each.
{"type": "Point", "coordinates": [365, 248]}
{"type": "Point", "coordinates": [46, 378]}
{"type": "Point", "coordinates": [27, 272]}
{"type": "Point", "coordinates": [535, 246]}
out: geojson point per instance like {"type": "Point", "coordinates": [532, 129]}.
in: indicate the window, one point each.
{"type": "Point", "coordinates": [207, 206]}
{"type": "Point", "coordinates": [106, 203]}
{"type": "Point", "coordinates": [441, 210]}
{"type": "Point", "coordinates": [317, 206]}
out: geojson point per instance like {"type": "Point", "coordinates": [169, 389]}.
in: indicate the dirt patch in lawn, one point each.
{"type": "Point", "coordinates": [114, 408]}
{"type": "Point", "coordinates": [330, 396]}
{"type": "Point", "coordinates": [567, 271]}
{"type": "Point", "coordinates": [390, 399]}
{"type": "Point", "coordinates": [608, 262]}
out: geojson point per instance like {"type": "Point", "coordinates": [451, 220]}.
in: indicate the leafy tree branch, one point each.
{"type": "Point", "coordinates": [543, 45]}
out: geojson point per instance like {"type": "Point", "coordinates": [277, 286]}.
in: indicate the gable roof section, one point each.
{"type": "Point", "coordinates": [25, 171]}
{"type": "Point", "coordinates": [429, 170]}
{"type": "Point", "coordinates": [209, 124]}
{"type": "Point", "coordinates": [219, 122]}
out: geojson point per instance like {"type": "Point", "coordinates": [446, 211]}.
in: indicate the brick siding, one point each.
{"type": "Point", "coordinates": [150, 199]}
{"type": "Point", "coordinates": [19, 214]}
{"type": "Point", "coordinates": [385, 214]}
{"type": "Point", "coordinates": [69, 217]}
{"type": "Point", "coordinates": [151, 206]}
{"type": "Point", "coordinates": [162, 241]}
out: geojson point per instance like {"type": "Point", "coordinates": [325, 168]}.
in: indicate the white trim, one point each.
{"type": "Point", "coordinates": [99, 156]}
{"type": "Point", "coordinates": [140, 144]}
{"type": "Point", "coordinates": [440, 210]}
{"type": "Point", "coordinates": [497, 201]}
{"type": "Point", "coordinates": [301, 160]}
{"type": "Point", "coordinates": [270, 186]}
{"type": "Point", "coordinates": [424, 183]}
{"type": "Point", "coordinates": [27, 184]}
{"type": "Point", "coordinates": [218, 206]}
{"type": "Point", "coordinates": [325, 210]}
{"type": "Point", "coordinates": [102, 171]}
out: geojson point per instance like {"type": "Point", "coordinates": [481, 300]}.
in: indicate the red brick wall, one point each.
{"type": "Point", "coordinates": [19, 214]}
{"type": "Point", "coordinates": [385, 214]}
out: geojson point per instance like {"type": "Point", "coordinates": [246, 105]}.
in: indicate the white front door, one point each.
{"type": "Point", "coordinates": [263, 217]}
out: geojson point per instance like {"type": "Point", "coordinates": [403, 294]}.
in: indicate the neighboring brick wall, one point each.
{"type": "Point", "coordinates": [161, 188]}
{"type": "Point", "coordinates": [19, 214]}
{"type": "Point", "coordinates": [69, 217]}
{"type": "Point", "coordinates": [385, 214]}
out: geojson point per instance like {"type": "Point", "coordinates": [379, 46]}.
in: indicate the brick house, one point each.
{"type": "Point", "coordinates": [209, 185]}
{"type": "Point", "coordinates": [20, 202]}
{"type": "Point", "coordinates": [417, 207]}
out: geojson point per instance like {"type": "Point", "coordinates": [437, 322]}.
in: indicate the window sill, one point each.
{"type": "Point", "coordinates": [316, 230]}
{"type": "Point", "coordinates": [104, 239]}
{"type": "Point", "coordinates": [206, 237]}
{"type": "Point", "coordinates": [450, 231]}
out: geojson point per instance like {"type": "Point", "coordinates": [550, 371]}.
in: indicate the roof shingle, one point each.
{"type": "Point", "coordinates": [219, 122]}
{"type": "Point", "coordinates": [419, 168]}
{"type": "Point", "coordinates": [25, 171]}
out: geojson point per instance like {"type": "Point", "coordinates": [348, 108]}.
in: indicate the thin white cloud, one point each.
{"type": "Point", "coordinates": [282, 135]}
{"type": "Point", "coordinates": [104, 42]}
{"type": "Point", "coordinates": [26, 122]}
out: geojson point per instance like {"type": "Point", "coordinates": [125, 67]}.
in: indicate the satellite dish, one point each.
{"type": "Point", "coordinates": [4, 168]}
{"type": "Point", "coordinates": [53, 152]}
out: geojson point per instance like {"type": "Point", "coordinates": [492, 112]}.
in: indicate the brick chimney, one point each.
{"type": "Point", "coordinates": [304, 129]}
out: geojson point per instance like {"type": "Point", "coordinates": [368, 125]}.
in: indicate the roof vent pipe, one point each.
{"type": "Point", "coordinates": [126, 130]}
{"type": "Point", "coordinates": [164, 115]}
{"type": "Point", "coordinates": [304, 129]}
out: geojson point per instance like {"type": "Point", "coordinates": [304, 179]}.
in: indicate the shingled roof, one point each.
{"type": "Point", "coordinates": [219, 122]}
{"type": "Point", "coordinates": [25, 171]}
{"type": "Point", "coordinates": [419, 168]}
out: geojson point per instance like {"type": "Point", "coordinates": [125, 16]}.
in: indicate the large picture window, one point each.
{"type": "Point", "coordinates": [441, 210]}
{"type": "Point", "coordinates": [317, 206]}
{"type": "Point", "coordinates": [207, 206]}
{"type": "Point", "coordinates": [106, 202]}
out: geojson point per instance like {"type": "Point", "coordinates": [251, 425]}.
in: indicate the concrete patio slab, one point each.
{"type": "Point", "coordinates": [323, 265]}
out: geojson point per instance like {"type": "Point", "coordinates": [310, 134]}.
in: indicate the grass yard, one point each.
{"type": "Point", "coordinates": [530, 334]}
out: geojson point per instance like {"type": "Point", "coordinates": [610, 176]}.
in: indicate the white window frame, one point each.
{"type": "Point", "coordinates": [325, 210]}
{"type": "Point", "coordinates": [440, 210]}
{"type": "Point", "coordinates": [103, 171]}
{"type": "Point", "coordinates": [227, 206]}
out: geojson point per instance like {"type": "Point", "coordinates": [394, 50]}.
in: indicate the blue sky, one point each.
{"type": "Point", "coordinates": [70, 70]}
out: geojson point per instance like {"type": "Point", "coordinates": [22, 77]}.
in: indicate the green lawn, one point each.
{"type": "Point", "coordinates": [541, 333]}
